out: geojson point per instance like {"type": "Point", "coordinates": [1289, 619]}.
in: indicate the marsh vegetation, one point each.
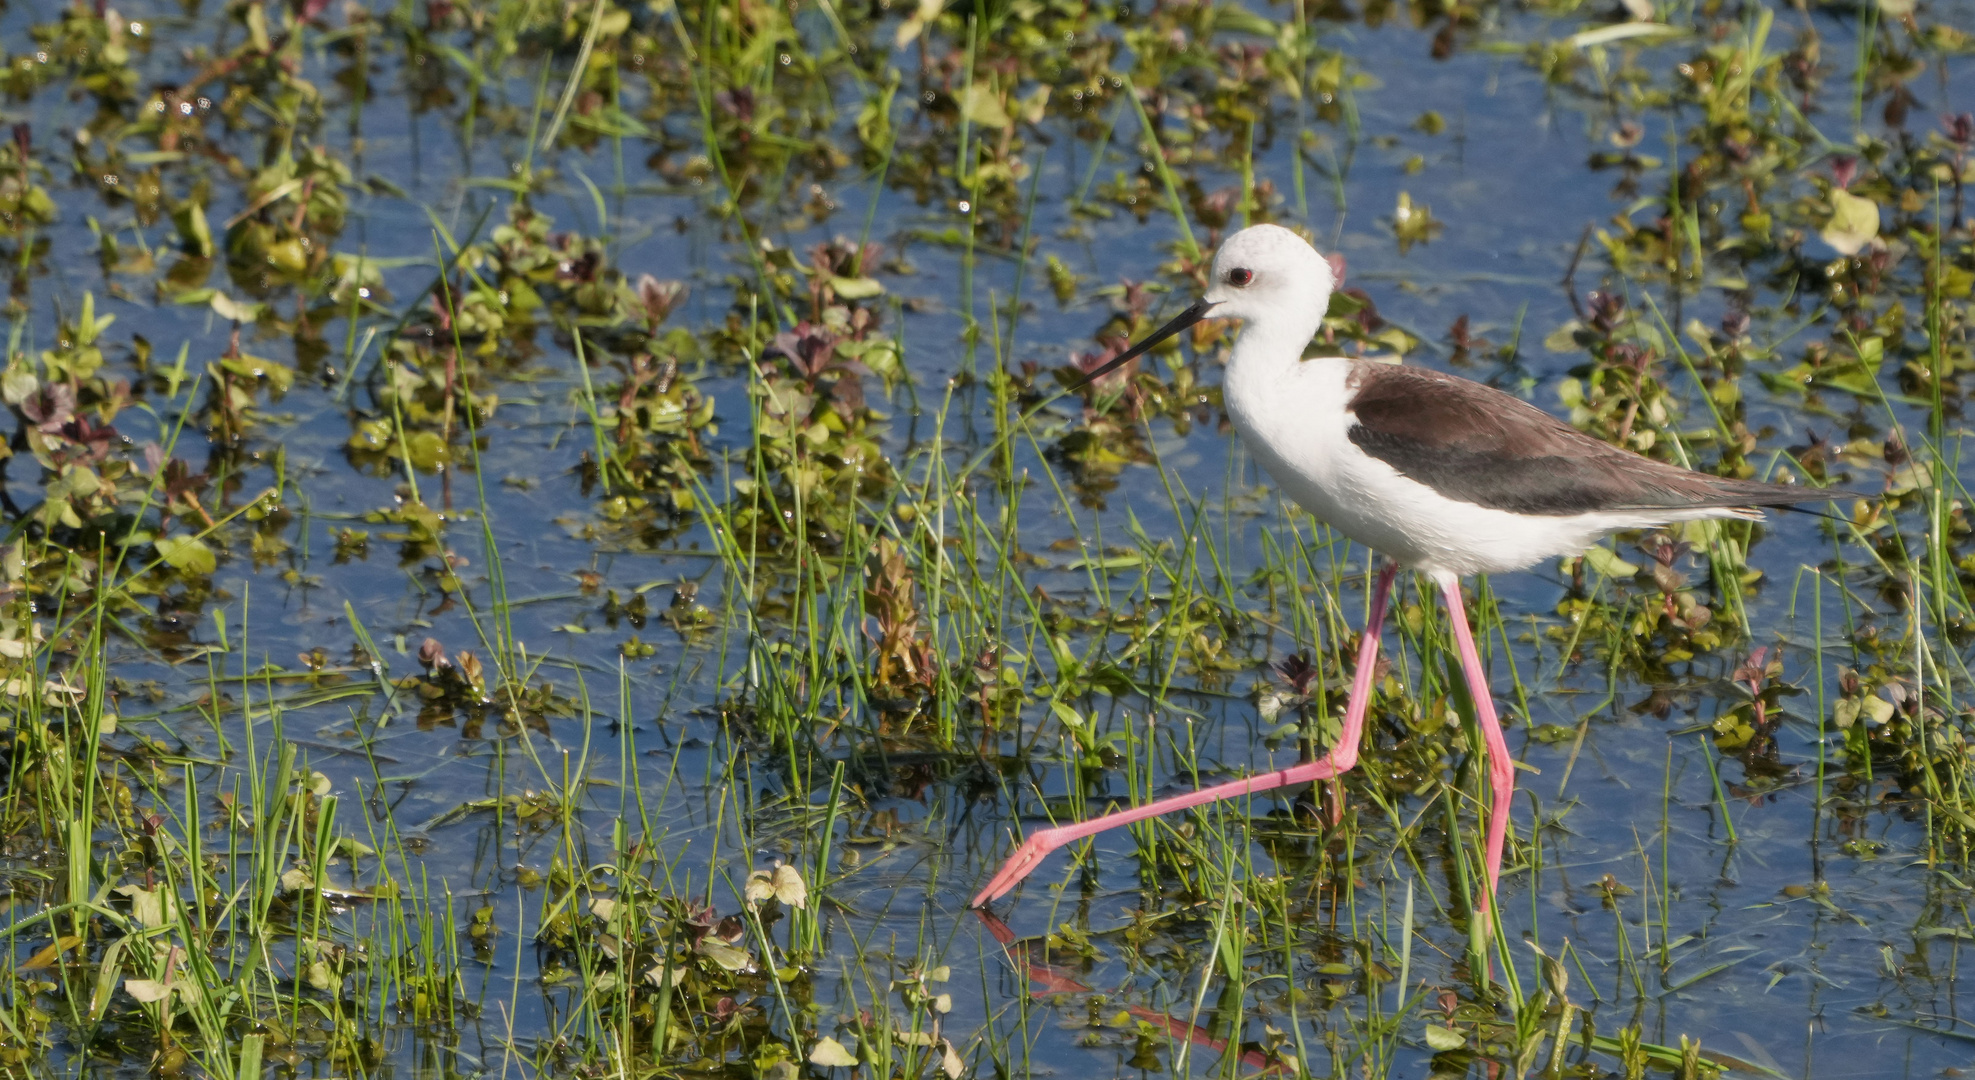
{"type": "Point", "coordinates": [546, 537]}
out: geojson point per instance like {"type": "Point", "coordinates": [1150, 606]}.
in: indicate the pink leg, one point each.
{"type": "Point", "coordinates": [1339, 761]}
{"type": "Point", "coordinates": [1501, 773]}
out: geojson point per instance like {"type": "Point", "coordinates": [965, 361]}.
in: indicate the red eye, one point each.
{"type": "Point", "coordinates": [1240, 278]}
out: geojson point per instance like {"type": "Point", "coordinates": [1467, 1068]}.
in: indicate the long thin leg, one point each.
{"type": "Point", "coordinates": [1339, 761]}
{"type": "Point", "coordinates": [1501, 772]}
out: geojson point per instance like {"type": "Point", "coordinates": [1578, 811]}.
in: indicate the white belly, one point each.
{"type": "Point", "coordinates": [1296, 426]}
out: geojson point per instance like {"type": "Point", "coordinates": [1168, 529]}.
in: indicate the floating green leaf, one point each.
{"type": "Point", "coordinates": [1853, 224]}
{"type": "Point", "coordinates": [1606, 561]}
{"type": "Point", "coordinates": [981, 105]}
{"type": "Point", "coordinates": [1442, 1039]}
{"type": "Point", "coordinates": [831, 1054]}
{"type": "Point", "coordinates": [187, 553]}
{"type": "Point", "coordinates": [193, 230]}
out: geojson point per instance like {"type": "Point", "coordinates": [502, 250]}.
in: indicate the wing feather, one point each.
{"type": "Point", "coordinates": [1475, 444]}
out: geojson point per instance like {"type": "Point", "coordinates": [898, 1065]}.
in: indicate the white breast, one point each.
{"type": "Point", "coordinates": [1293, 419]}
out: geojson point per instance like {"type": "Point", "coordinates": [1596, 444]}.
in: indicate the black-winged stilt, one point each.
{"type": "Point", "coordinates": [1442, 475]}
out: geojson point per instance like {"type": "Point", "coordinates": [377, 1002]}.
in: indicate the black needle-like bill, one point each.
{"type": "Point", "coordinates": [1199, 311]}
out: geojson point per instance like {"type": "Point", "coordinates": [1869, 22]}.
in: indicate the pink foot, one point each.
{"type": "Point", "coordinates": [1341, 759]}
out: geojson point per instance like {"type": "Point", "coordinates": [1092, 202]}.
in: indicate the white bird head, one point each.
{"type": "Point", "coordinates": [1266, 270]}
{"type": "Point", "coordinates": [1263, 272]}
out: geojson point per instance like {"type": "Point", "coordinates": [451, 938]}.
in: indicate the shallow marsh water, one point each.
{"type": "Point", "coordinates": [391, 857]}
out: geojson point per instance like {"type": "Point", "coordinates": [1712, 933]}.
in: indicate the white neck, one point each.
{"type": "Point", "coordinates": [1268, 348]}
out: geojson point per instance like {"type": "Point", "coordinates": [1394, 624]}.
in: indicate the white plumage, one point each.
{"type": "Point", "coordinates": [1293, 416]}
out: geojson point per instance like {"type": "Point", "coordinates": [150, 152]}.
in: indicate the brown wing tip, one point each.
{"type": "Point", "coordinates": [1814, 495]}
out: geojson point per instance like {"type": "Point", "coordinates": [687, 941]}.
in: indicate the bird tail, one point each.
{"type": "Point", "coordinates": [1808, 512]}
{"type": "Point", "coordinates": [1722, 497]}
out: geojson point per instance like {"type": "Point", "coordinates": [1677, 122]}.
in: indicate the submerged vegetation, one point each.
{"type": "Point", "coordinates": [553, 537]}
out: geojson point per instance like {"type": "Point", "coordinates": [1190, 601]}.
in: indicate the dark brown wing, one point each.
{"type": "Point", "coordinates": [1478, 445]}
